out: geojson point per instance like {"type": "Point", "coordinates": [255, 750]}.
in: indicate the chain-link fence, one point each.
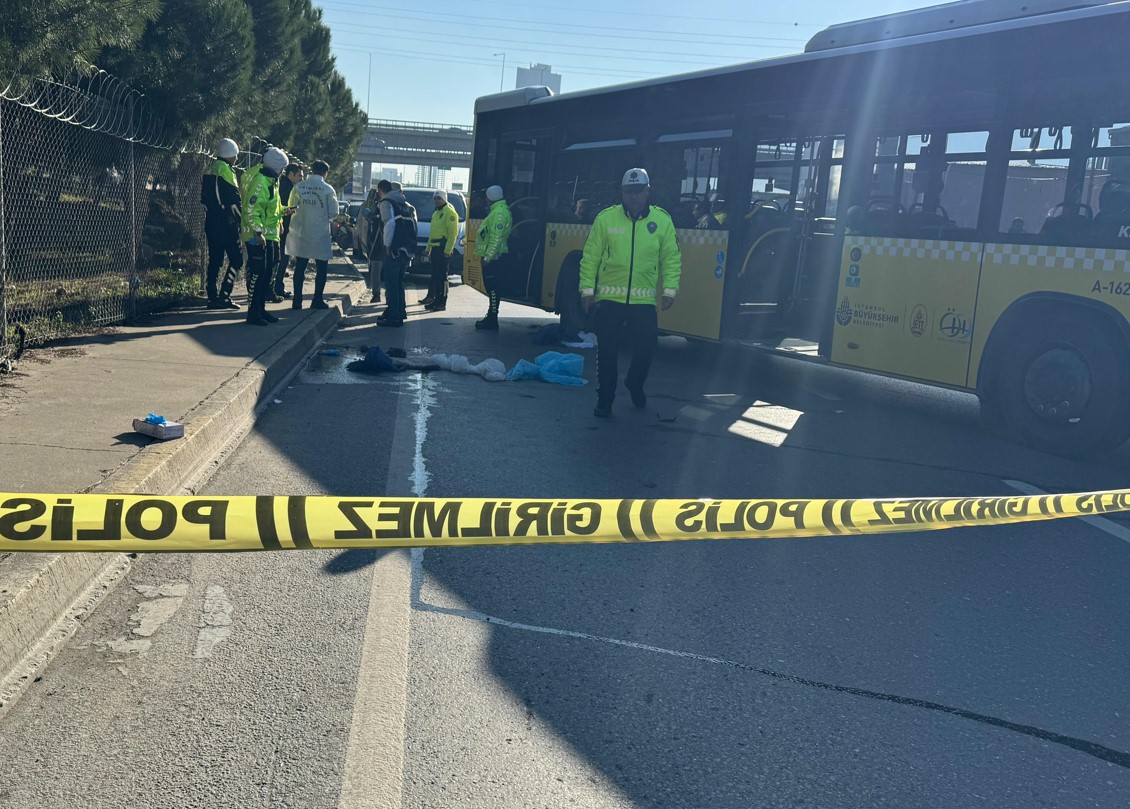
{"type": "Point", "coordinates": [100, 221]}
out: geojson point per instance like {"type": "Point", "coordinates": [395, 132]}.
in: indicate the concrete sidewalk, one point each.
{"type": "Point", "coordinates": [66, 419]}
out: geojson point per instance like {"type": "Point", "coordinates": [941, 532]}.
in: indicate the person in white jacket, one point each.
{"type": "Point", "coordinates": [314, 202]}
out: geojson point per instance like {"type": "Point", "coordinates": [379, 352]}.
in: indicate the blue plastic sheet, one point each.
{"type": "Point", "coordinates": [560, 369]}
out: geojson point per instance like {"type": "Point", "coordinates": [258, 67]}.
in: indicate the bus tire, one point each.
{"type": "Point", "coordinates": [568, 295]}
{"type": "Point", "coordinates": [1061, 383]}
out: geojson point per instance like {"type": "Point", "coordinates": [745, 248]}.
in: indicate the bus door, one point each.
{"type": "Point", "coordinates": [818, 244]}
{"type": "Point", "coordinates": [763, 264]}
{"type": "Point", "coordinates": [519, 166]}
{"type": "Point", "coordinates": [911, 257]}
{"type": "Point", "coordinates": [691, 179]}
{"type": "Point", "coordinates": [786, 239]}
{"type": "Point", "coordinates": [523, 165]}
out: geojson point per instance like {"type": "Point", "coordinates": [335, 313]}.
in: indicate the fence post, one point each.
{"type": "Point", "coordinates": [3, 250]}
{"type": "Point", "coordinates": [133, 235]}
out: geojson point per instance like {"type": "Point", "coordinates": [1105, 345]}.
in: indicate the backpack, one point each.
{"type": "Point", "coordinates": [404, 236]}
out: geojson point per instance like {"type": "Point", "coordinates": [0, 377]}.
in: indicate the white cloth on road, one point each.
{"type": "Point", "coordinates": [491, 370]}
{"type": "Point", "coordinates": [588, 340]}
{"type": "Point", "coordinates": [309, 235]}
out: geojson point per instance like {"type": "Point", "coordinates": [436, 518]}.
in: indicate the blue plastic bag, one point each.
{"type": "Point", "coordinates": [560, 369]}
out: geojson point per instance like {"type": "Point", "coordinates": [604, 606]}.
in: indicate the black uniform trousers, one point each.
{"type": "Point", "coordinates": [618, 324]}
{"type": "Point", "coordinates": [223, 240]}
{"type": "Point", "coordinates": [261, 263]}
{"type": "Point", "coordinates": [437, 287]}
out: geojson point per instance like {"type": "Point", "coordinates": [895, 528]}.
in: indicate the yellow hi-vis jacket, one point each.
{"type": "Point", "coordinates": [494, 232]}
{"type": "Point", "coordinates": [445, 225]}
{"type": "Point", "coordinates": [262, 211]}
{"type": "Point", "coordinates": [625, 260]}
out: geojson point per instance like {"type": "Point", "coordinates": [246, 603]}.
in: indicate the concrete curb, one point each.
{"type": "Point", "coordinates": [43, 597]}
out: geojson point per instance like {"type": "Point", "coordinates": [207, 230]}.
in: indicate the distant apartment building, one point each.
{"type": "Point", "coordinates": [539, 75]}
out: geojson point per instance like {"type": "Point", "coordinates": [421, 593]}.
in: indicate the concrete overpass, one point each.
{"type": "Point", "coordinates": [414, 143]}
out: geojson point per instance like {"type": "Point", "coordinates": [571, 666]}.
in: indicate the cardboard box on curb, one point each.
{"type": "Point", "coordinates": [170, 429]}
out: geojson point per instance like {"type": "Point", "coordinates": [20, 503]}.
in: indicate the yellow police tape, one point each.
{"type": "Point", "coordinates": [143, 523]}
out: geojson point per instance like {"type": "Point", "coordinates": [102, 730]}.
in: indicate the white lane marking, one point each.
{"type": "Point", "coordinates": [418, 603]}
{"type": "Point", "coordinates": [425, 399]}
{"type": "Point", "coordinates": [374, 757]}
{"type": "Point", "coordinates": [215, 622]}
{"type": "Point", "coordinates": [1112, 528]}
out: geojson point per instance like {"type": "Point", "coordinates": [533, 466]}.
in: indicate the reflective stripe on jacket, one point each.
{"type": "Point", "coordinates": [261, 208]}
{"type": "Point", "coordinates": [219, 193]}
{"type": "Point", "coordinates": [494, 232]}
{"type": "Point", "coordinates": [626, 260]}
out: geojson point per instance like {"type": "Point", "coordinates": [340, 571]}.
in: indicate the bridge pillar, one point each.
{"type": "Point", "coordinates": [366, 176]}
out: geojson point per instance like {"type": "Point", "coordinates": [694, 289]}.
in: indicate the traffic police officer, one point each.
{"type": "Point", "coordinates": [262, 215]}
{"type": "Point", "coordinates": [442, 236]}
{"type": "Point", "coordinates": [630, 253]}
{"type": "Point", "coordinates": [491, 245]}
{"type": "Point", "coordinates": [219, 193]}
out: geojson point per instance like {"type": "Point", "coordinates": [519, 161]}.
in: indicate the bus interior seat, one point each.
{"type": "Point", "coordinates": [1068, 221]}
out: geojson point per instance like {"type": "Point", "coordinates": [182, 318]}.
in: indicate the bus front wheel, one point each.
{"type": "Point", "coordinates": [1061, 386]}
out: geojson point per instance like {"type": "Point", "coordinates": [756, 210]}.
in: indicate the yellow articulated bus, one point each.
{"type": "Point", "coordinates": [941, 195]}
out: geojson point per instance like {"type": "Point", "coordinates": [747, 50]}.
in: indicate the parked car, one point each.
{"type": "Point", "coordinates": [422, 200]}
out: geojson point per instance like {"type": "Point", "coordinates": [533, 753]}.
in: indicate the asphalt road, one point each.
{"type": "Point", "coordinates": [980, 667]}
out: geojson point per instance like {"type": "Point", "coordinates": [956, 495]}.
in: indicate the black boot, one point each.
{"type": "Point", "coordinates": [490, 322]}
{"type": "Point", "coordinates": [257, 290]}
{"type": "Point", "coordinates": [319, 290]}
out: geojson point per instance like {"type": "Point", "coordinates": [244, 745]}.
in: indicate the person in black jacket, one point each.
{"type": "Point", "coordinates": [219, 194]}
{"type": "Point", "coordinates": [293, 176]}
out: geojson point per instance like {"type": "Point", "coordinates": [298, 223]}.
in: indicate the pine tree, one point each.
{"type": "Point", "coordinates": [194, 66]}
{"type": "Point", "coordinates": [276, 29]}
{"type": "Point", "coordinates": [43, 37]}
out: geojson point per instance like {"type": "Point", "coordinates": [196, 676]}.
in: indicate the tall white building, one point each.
{"type": "Point", "coordinates": [430, 177]}
{"type": "Point", "coordinates": [539, 75]}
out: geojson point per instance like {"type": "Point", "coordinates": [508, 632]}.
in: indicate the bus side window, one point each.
{"type": "Point", "coordinates": [774, 185]}
{"type": "Point", "coordinates": [1106, 185]}
{"type": "Point", "coordinates": [586, 178]}
{"type": "Point", "coordinates": [924, 185]}
{"type": "Point", "coordinates": [687, 181]}
{"type": "Point", "coordinates": [1036, 207]}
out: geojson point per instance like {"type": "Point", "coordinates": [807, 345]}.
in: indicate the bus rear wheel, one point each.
{"type": "Point", "coordinates": [1064, 389]}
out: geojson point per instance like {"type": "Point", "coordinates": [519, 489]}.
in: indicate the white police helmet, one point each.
{"type": "Point", "coordinates": [227, 149]}
{"type": "Point", "coordinates": [275, 159]}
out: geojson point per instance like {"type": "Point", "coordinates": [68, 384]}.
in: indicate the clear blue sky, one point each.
{"type": "Point", "coordinates": [442, 51]}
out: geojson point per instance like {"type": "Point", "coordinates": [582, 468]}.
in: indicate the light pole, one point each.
{"type": "Point", "coordinates": [502, 78]}
{"type": "Point", "coordinates": [369, 96]}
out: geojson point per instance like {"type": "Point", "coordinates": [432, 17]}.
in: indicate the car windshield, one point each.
{"type": "Point", "coordinates": [422, 200]}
